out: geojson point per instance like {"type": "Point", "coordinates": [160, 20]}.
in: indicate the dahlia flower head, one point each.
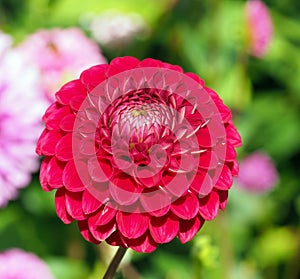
{"type": "Point", "coordinates": [60, 55]}
{"type": "Point", "coordinates": [257, 173]}
{"type": "Point", "coordinates": [259, 26]}
{"type": "Point", "coordinates": [20, 120]}
{"type": "Point", "coordinates": [139, 153]}
{"type": "Point", "coordinates": [18, 264]}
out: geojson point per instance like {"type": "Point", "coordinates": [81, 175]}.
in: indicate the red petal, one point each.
{"type": "Point", "coordinates": [223, 196]}
{"type": "Point", "coordinates": [71, 179]}
{"type": "Point", "coordinates": [132, 225]}
{"type": "Point", "coordinates": [208, 160]}
{"type": "Point", "coordinates": [115, 240]}
{"type": "Point", "coordinates": [225, 179]}
{"type": "Point", "coordinates": [103, 232]}
{"type": "Point", "coordinates": [202, 183]}
{"type": "Point", "coordinates": [47, 142]}
{"type": "Point", "coordinates": [105, 215]}
{"type": "Point", "coordinates": [233, 136]}
{"type": "Point", "coordinates": [149, 62]}
{"type": "Point", "coordinates": [195, 77]}
{"type": "Point", "coordinates": [230, 152]}
{"type": "Point", "coordinates": [74, 205]}
{"type": "Point", "coordinates": [173, 67]}
{"type": "Point", "coordinates": [205, 137]}
{"type": "Point", "coordinates": [164, 229]}
{"type": "Point", "coordinates": [89, 203]}
{"type": "Point", "coordinates": [76, 102]}
{"type": "Point", "coordinates": [189, 228]}
{"type": "Point", "coordinates": [100, 171]}
{"type": "Point", "coordinates": [63, 148]}
{"type": "Point", "coordinates": [176, 184]}
{"type": "Point", "coordinates": [123, 189]}
{"type": "Point", "coordinates": [84, 230]}
{"type": "Point", "coordinates": [157, 203]}
{"type": "Point", "coordinates": [55, 172]}
{"type": "Point", "coordinates": [209, 206]}
{"type": "Point", "coordinates": [67, 123]}
{"type": "Point", "coordinates": [69, 90]}
{"type": "Point", "coordinates": [186, 207]}
{"type": "Point", "coordinates": [44, 175]}
{"type": "Point", "coordinates": [53, 116]}
{"type": "Point", "coordinates": [94, 76]}
{"type": "Point", "coordinates": [121, 64]}
{"type": "Point", "coordinates": [143, 244]}
{"type": "Point", "coordinates": [60, 205]}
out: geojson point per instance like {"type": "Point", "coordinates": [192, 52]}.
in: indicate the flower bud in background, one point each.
{"type": "Point", "coordinates": [260, 27]}
{"type": "Point", "coordinates": [18, 264]}
{"type": "Point", "coordinates": [257, 173]}
{"type": "Point", "coordinates": [60, 54]}
{"type": "Point", "coordinates": [20, 110]}
{"type": "Point", "coordinates": [115, 29]}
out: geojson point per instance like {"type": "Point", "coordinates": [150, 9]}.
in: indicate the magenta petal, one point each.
{"type": "Point", "coordinates": [89, 203]}
{"type": "Point", "coordinates": [105, 215]}
{"type": "Point", "coordinates": [123, 189]}
{"type": "Point", "coordinates": [189, 228]}
{"type": "Point", "coordinates": [223, 196]}
{"type": "Point", "coordinates": [115, 240]}
{"type": "Point", "coordinates": [156, 203]}
{"type": "Point", "coordinates": [60, 205]}
{"type": "Point", "coordinates": [74, 205]}
{"type": "Point", "coordinates": [67, 123]}
{"type": "Point", "coordinates": [53, 117]}
{"type": "Point", "coordinates": [233, 136]}
{"type": "Point", "coordinates": [44, 175]}
{"type": "Point", "coordinates": [84, 230]}
{"type": "Point", "coordinates": [64, 148]}
{"type": "Point", "coordinates": [55, 171]}
{"type": "Point", "coordinates": [176, 184]}
{"type": "Point", "coordinates": [69, 90]}
{"type": "Point", "coordinates": [209, 206]}
{"type": "Point", "coordinates": [230, 152]}
{"type": "Point", "coordinates": [47, 143]}
{"type": "Point", "coordinates": [202, 183]}
{"type": "Point", "coordinates": [103, 232]}
{"type": "Point", "coordinates": [71, 179]}
{"type": "Point", "coordinates": [208, 160]}
{"type": "Point", "coordinates": [132, 225]}
{"type": "Point", "coordinates": [186, 207]}
{"type": "Point", "coordinates": [225, 180]}
{"type": "Point", "coordinates": [164, 229]}
{"type": "Point", "coordinates": [143, 244]}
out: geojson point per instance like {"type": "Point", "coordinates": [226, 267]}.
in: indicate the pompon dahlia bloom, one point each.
{"type": "Point", "coordinates": [257, 173]}
{"type": "Point", "coordinates": [61, 55]}
{"type": "Point", "coordinates": [20, 123]}
{"type": "Point", "coordinates": [260, 27]}
{"type": "Point", "coordinates": [139, 153]}
{"type": "Point", "coordinates": [18, 264]}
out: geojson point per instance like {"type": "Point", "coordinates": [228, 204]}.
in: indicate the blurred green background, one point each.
{"type": "Point", "coordinates": [258, 235]}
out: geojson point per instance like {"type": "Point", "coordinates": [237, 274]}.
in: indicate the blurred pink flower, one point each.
{"type": "Point", "coordinates": [20, 112]}
{"type": "Point", "coordinates": [18, 264]}
{"type": "Point", "coordinates": [260, 27]}
{"type": "Point", "coordinates": [60, 54]}
{"type": "Point", "coordinates": [257, 173]}
{"type": "Point", "coordinates": [115, 29]}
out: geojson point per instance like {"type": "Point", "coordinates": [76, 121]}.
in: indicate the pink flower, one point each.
{"type": "Point", "coordinates": [114, 29]}
{"type": "Point", "coordinates": [20, 125]}
{"type": "Point", "coordinates": [260, 27]}
{"type": "Point", "coordinates": [60, 54]}
{"type": "Point", "coordinates": [139, 152]}
{"type": "Point", "coordinates": [257, 173]}
{"type": "Point", "coordinates": [18, 264]}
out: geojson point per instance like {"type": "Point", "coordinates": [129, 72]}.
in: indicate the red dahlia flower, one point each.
{"type": "Point", "coordinates": [139, 153]}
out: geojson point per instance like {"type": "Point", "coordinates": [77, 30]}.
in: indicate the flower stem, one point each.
{"type": "Point", "coordinates": [112, 268]}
